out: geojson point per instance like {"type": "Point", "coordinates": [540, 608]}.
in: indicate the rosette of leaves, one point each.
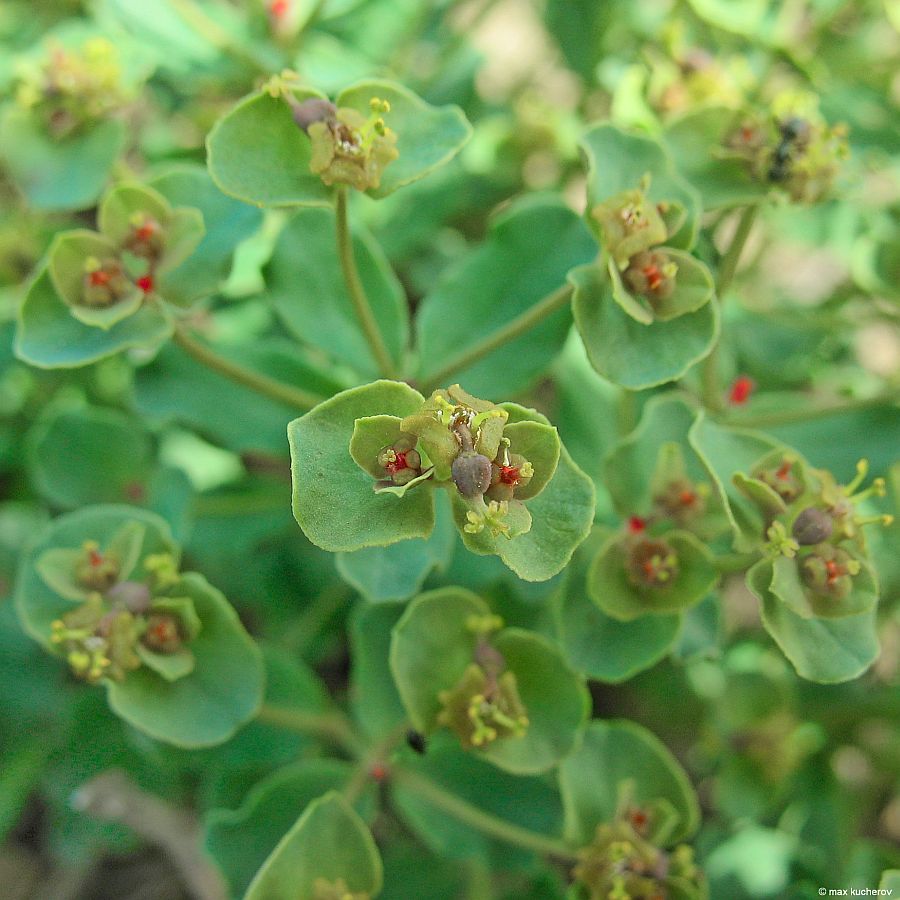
{"type": "Point", "coordinates": [103, 291]}
{"type": "Point", "coordinates": [506, 693]}
{"type": "Point", "coordinates": [365, 464]}
{"type": "Point", "coordinates": [102, 589]}
{"type": "Point", "coordinates": [61, 133]}
{"type": "Point", "coordinates": [628, 804]}
{"type": "Point", "coordinates": [645, 309]}
{"type": "Point", "coordinates": [816, 581]}
{"type": "Point", "coordinates": [737, 157]}
{"type": "Point", "coordinates": [287, 145]}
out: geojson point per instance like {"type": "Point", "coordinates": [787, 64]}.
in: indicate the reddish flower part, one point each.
{"type": "Point", "coordinates": [509, 474]}
{"type": "Point", "coordinates": [95, 558]}
{"type": "Point", "coordinates": [397, 463]}
{"type": "Point", "coordinates": [654, 276]}
{"type": "Point", "coordinates": [145, 283]}
{"type": "Point", "coordinates": [741, 390]}
{"type": "Point", "coordinates": [98, 278]}
{"type": "Point", "coordinates": [636, 524]}
{"type": "Point", "coordinates": [379, 772]}
{"type": "Point", "coordinates": [279, 8]}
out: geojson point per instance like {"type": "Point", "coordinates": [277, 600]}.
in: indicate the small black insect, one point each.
{"type": "Point", "coordinates": [794, 134]}
{"type": "Point", "coordinates": [416, 740]}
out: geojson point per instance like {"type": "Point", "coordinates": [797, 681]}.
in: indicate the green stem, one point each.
{"type": "Point", "coordinates": [735, 562]}
{"type": "Point", "coordinates": [491, 825]}
{"type": "Point", "coordinates": [376, 756]}
{"type": "Point", "coordinates": [262, 384]}
{"type": "Point", "coordinates": [712, 390]}
{"type": "Point", "coordinates": [511, 330]}
{"type": "Point", "coordinates": [810, 413]}
{"type": "Point", "coordinates": [215, 34]}
{"type": "Point", "coordinates": [357, 291]}
{"type": "Point", "coordinates": [333, 727]}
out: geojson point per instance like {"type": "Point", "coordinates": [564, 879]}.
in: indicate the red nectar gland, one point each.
{"type": "Point", "coordinates": [509, 474]}
{"type": "Point", "coordinates": [741, 390]}
{"type": "Point", "coordinates": [145, 283]}
{"type": "Point", "coordinates": [636, 525]}
{"type": "Point", "coordinates": [98, 278]}
{"type": "Point", "coordinates": [398, 463]}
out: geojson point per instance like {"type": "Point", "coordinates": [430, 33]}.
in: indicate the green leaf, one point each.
{"type": "Point", "coordinates": [374, 698]}
{"type": "Point", "coordinates": [621, 761]}
{"type": "Point", "coordinates": [240, 840]}
{"type": "Point", "coordinates": [828, 651]}
{"type": "Point", "coordinates": [209, 406]}
{"type": "Point", "coordinates": [50, 337]}
{"type": "Point", "coordinates": [59, 175]}
{"type": "Point", "coordinates": [306, 285]}
{"type": "Point", "coordinates": [890, 878]}
{"type": "Point", "coordinates": [539, 444]}
{"type": "Point", "coordinates": [561, 515]}
{"type": "Point", "coordinates": [397, 572]}
{"type": "Point", "coordinates": [696, 142]}
{"type": "Point", "coordinates": [527, 801]}
{"type": "Point", "coordinates": [430, 649]}
{"type": "Point", "coordinates": [628, 353]}
{"type": "Point", "coordinates": [787, 585]}
{"type": "Point", "coordinates": [224, 690]}
{"type": "Point", "coordinates": [433, 645]}
{"type": "Point", "coordinates": [227, 223]}
{"type": "Point", "coordinates": [526, 255]}
{"type": "Point", "coordinates": [555, 697]}
{"type": "Point", "coordinates": [618, 161]}
{"type": "Point", "coordinates": [89, 455]}
{"type": "Point", "coordinates": [329, 841]}
{"type": "Point", "coordinates": [724, 451]}
{"type": "Point", "coordinates": [613, 592]}
{"type": "Point", "coordinates": [37, 604]}
{"type": "Point", "coordinates": [169, 666]}
{"type": "Point", "coordinates": [334, 501]}
{"type": "Point", "coordinates": [121, 203]}
{"type": "Point", "coordinates": [427, 136]}
{"type": "Point", "coordinates": [597, 645]}
{"type": "Point", "coordinates": [629, 468]}
{"type": "Point", "coordinates": [256, 153]}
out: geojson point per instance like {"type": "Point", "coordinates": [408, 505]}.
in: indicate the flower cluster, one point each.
{"type": "Point", "coordinates": [128, 613]}
{"type": "Point", "coordinates": [622, 863]}
{"type": "Point", "coordinates": [347, 147]}
{"type": "Point", "coordinates": [468, 446]}
{"type": "Point", "coordinates": [791, 147]}
{"type": "Point", "coordinates": [651, 281]}
{"type": "Point", "coordinates": [813, 532]}
{"type": "Point", "coordinates": [71, 88]}
{"type": "Point", "coordinates": [484, 706]}
{"type": "Point", "coordinates": [106, 276]}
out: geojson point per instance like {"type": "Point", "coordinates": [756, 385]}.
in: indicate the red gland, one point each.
{"type": "Point", "coordinates": [687, 498]}
{"type": "Point", "coordinates": [98, 278]}
{"type": "Point", "coordinates": [834, 570]}
{"type": "Point", "coordinates": [135, 492]}
{"type": "Point", "coordinates": [145, 283]}
{"type": "Point", "coordinates": [398, 464]}
{"type": "Point", "coordinates": [636, 524]}
{"type": "Point", "coordinates": [379, 772]}
{"type": "Point", "coordinates": [638, 819]}
{"type": "Point", "coordinates": [741, 390]}
{"type": "Point", "coordinates": [784, 470]}
{"type": "Point", "coordinates": [653, 275]}
{"type": "Point", "coordinates": [95, 558]}
{"type": "Point", "coordinates": [509, 474]}
{"type": "Point", "coordinates": [164, 631]}
{"type": "Point", "coordinates": [145, 232]}
{"type": "Point", "coordinates": [279, 8]}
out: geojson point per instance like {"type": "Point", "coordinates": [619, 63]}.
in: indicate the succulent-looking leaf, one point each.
{"type": "Point", "coordinates": [329, 843]}
{"type": "Point", "coordinates": [333, 500]}
{"type": "Point", "coordinates": [620, 764]}
{"type": "Point", "coordinates": [632, 354]}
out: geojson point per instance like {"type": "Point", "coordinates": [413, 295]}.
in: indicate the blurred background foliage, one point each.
{"type": "Point", "coordinates": [798, 782]}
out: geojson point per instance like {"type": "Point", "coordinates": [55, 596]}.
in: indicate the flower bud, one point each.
{"type": "Point", "coordinates": [651, 274]}
{"type": "Point", "coordinates": [471, 473]}
{"type": "Point", "coordinates": [830, 572]}
{"type": "Point", "coordinates": [812, 526]}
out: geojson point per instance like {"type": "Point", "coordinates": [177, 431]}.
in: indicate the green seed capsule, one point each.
{"type": "Point", "coordinates": [812, 526]}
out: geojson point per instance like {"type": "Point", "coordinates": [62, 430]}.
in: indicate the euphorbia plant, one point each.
{"type": "Point", "coordinates": [529, 375]}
